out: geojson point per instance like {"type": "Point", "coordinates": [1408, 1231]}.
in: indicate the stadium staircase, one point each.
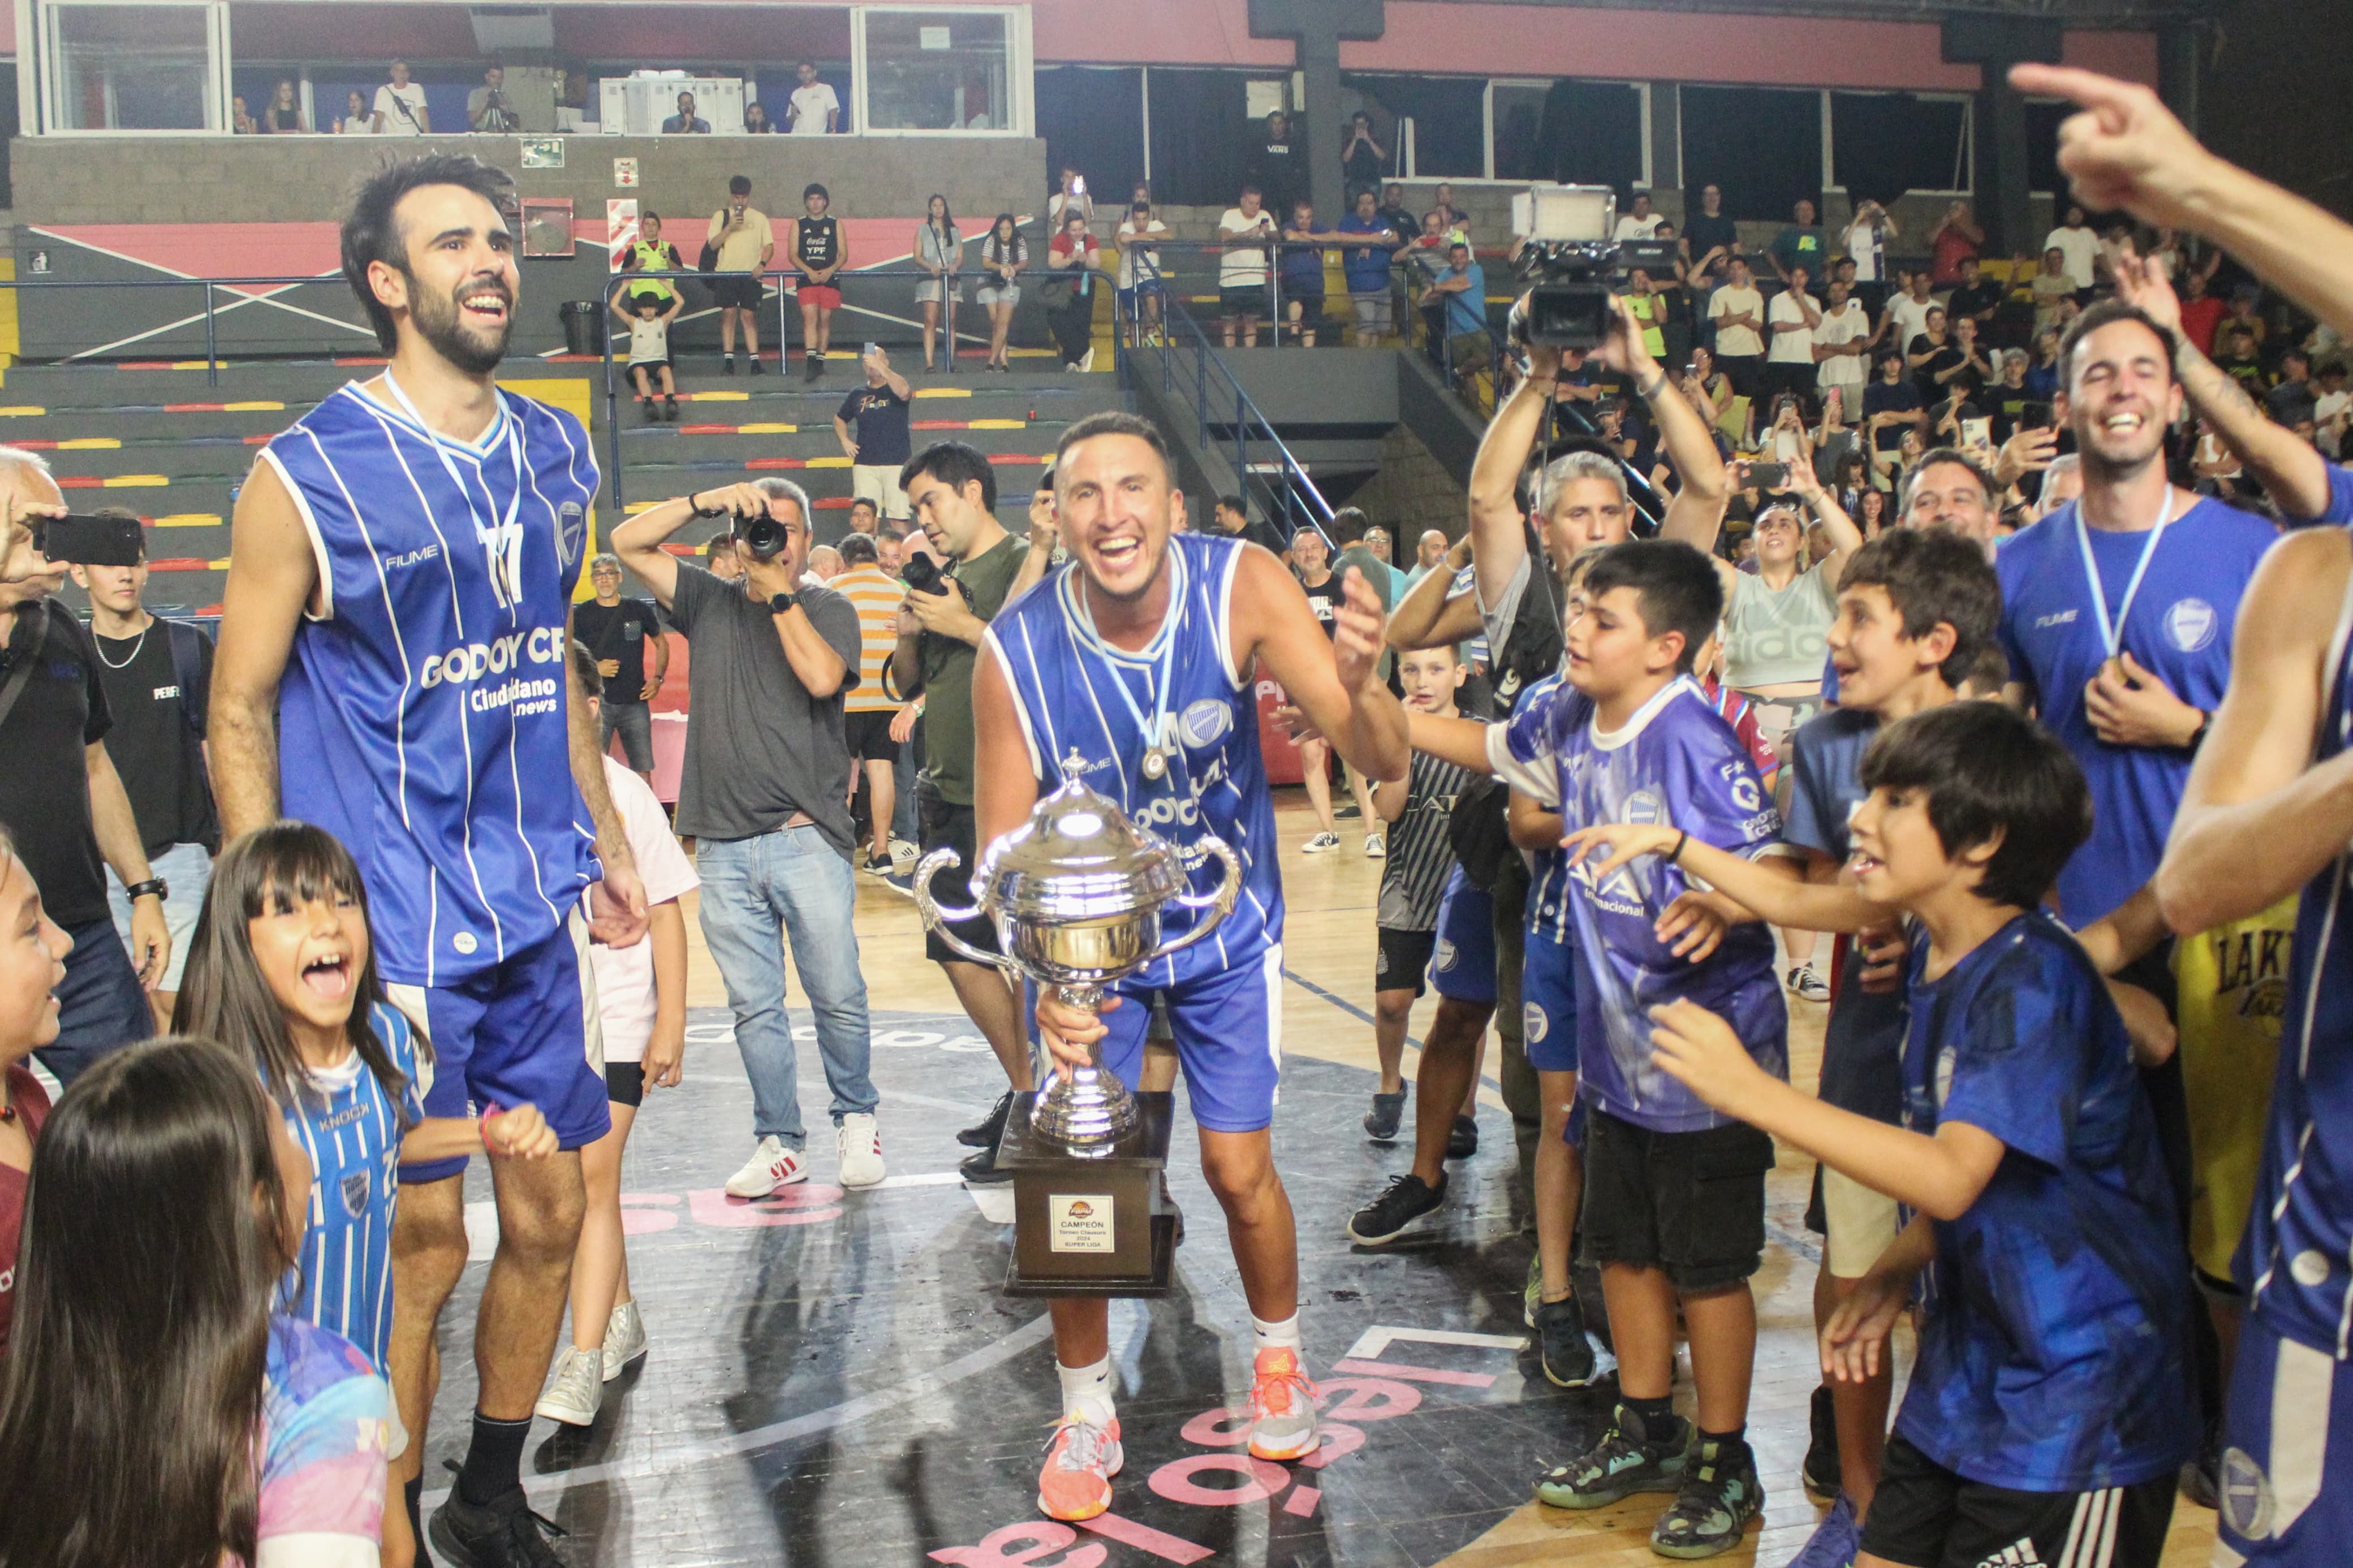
{"type": "Point", "coordinates": [157, 440]}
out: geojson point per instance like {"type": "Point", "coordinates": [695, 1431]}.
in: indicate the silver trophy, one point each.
{"type": "Point", "coordinates": [1075, 894]}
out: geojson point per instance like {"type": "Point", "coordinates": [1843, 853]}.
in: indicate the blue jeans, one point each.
{"type": "Point", "coordinates": [100, 1004]}
{"type": "Point", "coordinates": [756, 892]}
{"type": "Point", "coordinates": [903, 815]}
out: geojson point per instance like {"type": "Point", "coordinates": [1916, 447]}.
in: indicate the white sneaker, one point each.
{"type": "Point", "coordinates": [576, 1390]}
{"type": "Point", "coordinates": [861, 1142]}
{"type": "Point", "coordinates": [772, 1166]}
{"type": "Point", "coordinates": [1375, 846]}
{"type": "Point", "coordinates": [1320, 843]}
{"type": "Point", "coordinates": [625, 1339]}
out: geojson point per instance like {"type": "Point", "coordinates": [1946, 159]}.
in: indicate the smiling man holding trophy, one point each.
{"type": "Point", "coordinates": [1130, 672]}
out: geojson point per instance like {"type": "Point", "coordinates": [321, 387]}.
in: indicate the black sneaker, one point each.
{"type": "Point", "coordinates": [1381, 1121]}
{"type": "Point", "coordinates": [985, 1134]}
{"type": "Point", "coordinates": [1625, 1461]}
{"type": "Point", "coordinates": [1819, 1473]}
{"type": "Point", "coordinates": [1562, 1349]}
{"type": "Point", "coordinates": [727, 365]}
{"type": "Point", "coordinates": [647, 412]}
{"type": "Point", "coordinates": [758, 366]}
{"type": "Point", "coordinates": [979, 1168]}
{"type": "Point", "coordinates": [1464, 1142]}
{"type": "Point", "coordinates": [1346, 808]}
{"type": "Point", "coordinates": [1405, 1200]}
{"type": "Point", "coordinates": [501, 1534]}
{"type": "Point", "coordinates": [1719, 1496]}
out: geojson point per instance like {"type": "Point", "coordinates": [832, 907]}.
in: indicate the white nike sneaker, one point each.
{"type": "Point", "coordinates": [772, 1166]}
{"type": "Point", "coordinates": [576, 1390]}
{"type": "Point", "coordinates": [861, 1142]}
{"type": "Point", "coordinates": [625, 1339]}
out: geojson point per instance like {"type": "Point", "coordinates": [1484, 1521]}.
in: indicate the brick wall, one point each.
{"type": "Point", "coordinates": [1412, 492]}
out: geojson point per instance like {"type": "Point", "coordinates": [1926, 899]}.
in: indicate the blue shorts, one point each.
{"type": "Point", "coordinates": [1463, 967]}
{"type": "Point", "coordinates": [1548, 1003]}
{"type": "Point", "coordinates": [1228, 1030]}
{"type": "Point", "coordinates": [514, 1034]}
{"type": "Point", "coordinates": [2287, 1459]}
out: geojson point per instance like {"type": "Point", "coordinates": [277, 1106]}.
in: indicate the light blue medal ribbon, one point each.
{"type": "Point", "coordinates": [2111, 632]}
{"type": "Point", "coordinates": [1158, 748]}
{"type": "Point", "coordinates": [504, 543]}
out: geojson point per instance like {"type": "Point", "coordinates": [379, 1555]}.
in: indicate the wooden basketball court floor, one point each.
{"type": "Point", "coordinates": [835, 1380]}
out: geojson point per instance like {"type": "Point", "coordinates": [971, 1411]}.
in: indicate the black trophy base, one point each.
{"type": "Point", "coordinates": [1097, 1224]}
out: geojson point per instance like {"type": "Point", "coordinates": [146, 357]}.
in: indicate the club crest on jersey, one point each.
{"type": "Point", "coordinates": [571, 530]}
{"type": "Point", "coordinates": [354, 1188]}
{"type": "Point", "coordinates": [1204, 723]}
{"type": "Point", "coordinates": [1644, 809]}
{"type": "Point", "coordinates": [2246, 1496]}
{"type": "Point", "coordinates": [1535, 1023]}
{"type": "Point", "coordinates": [2191, 624]}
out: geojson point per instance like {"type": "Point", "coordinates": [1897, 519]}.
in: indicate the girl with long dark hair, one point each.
{"type": "Point", "coordinates": [1003, 255]}
{"type": "Point", "coordinates": [33, 951]}
{"type": "Point", "coordinates": [155, 1412]}
{"type": "Point", "coordinates": [282, 969]}
{"type": "Point", "coordinates": [939, 251]}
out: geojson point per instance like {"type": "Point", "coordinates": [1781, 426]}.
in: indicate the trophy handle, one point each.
{"type": "Point", "coordinates": [938, 916]}
{"type": "Point", "coordinates": [1220, 904]}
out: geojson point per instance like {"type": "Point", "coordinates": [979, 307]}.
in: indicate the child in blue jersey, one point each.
{"type": "Point", "coordinates": [1675, 1193]}
{"type": "Point", "coordinates": [2050, 1403]}
{"type": "Point", "coordinates": [282, 966]}
{"type": "Point", "coordinates": [1916, 608]}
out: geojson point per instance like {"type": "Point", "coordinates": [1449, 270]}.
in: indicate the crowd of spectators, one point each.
{"type": "Point", "coordinates": [397, 108]}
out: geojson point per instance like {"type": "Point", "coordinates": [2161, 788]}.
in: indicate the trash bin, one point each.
{"type": "Point", "coordinates": [580, 321]}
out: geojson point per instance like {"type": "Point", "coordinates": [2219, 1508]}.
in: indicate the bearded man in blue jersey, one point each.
{"type": "Point", "coordinates": [393, 668]}
{"type": "Point", "coordinates": [1133, 665]}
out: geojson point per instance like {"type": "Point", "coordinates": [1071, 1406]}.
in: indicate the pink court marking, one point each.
{"type": "Point", "coordinates": [1417, 1374]}
{"type": "Point", "coordinates": [1144, 1538]}
{"type": "Point", "coordinates": [1302, 1500]}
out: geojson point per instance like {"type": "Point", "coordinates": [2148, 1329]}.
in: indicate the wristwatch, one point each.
{"type": "Point", "coordinates": [779, 603]}
{"type": "Point", "coordinates": [155, 885]}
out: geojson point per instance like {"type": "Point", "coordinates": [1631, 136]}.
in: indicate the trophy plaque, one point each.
{"type": "Point", "coordinates": [1075, 895]}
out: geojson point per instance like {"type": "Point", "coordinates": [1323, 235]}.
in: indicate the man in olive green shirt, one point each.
{"type": "Point", "coordinates": [952, 495]}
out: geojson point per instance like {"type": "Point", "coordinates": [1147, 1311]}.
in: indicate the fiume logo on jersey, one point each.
{"type": "Point", "coordinates": [2191, 624]}
{"type": "Point", "coordinates": [474, 661]}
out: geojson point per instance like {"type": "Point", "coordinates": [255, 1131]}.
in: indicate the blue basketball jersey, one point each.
{"type": "Point", "coordinates": [2296, 1257]}
{"type": "Point", "coordinates": [351, 1129]}
{"type": "Point", "coordinates": [422, 718]}
{"type": "Point", "coordinates": [1550, 913]}
{"type": "Point", "coordinates": [1078, 697]}
{"type": "Point", "coordinates": [1676, 761]}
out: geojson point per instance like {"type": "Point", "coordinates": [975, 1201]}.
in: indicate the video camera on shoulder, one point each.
{"type": "Point", "coordinates": [1569, 253]}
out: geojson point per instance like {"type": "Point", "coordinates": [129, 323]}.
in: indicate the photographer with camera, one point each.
{"type": "Point", "coordinates": [59, 794]}
{"type": "Point", "coordinates": [487, 109]}
{"type": "Point", "coordinates": [764, 795]}
{"type": "Point", "coordinates": [952, 491]}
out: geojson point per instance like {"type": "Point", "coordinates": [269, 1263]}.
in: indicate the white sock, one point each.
{"type": "Point", "coordinates": [1284, 1335]}
{"type": "Point", "coordinates": [1087, 1389]}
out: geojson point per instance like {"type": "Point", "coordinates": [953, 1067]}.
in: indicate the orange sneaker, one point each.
{"type": "Point", "coordinates": [1282, 1407]}
{"type": "Point", "coordinates": [1081, 1460]}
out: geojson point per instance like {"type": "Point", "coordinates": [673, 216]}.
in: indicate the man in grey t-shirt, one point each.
{"type": "Point", "coordinates": [765, 793]}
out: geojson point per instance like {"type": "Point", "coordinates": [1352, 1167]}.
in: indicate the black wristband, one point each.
{"type": "Point", "coordinates": [2198, 736]}
{"type": "Point", "coordinates": [1677, 852]}
{"type": "Point", "coordinates": [155, 885]}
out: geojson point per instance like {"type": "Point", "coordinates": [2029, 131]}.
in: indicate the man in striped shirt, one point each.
{"type": "Point", "coordinates": [873, 703]}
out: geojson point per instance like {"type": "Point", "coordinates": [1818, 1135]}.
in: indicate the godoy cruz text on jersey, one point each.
{"type": "Point", "coordinates": [422, 718]}
{"type": "Point", "coordinates": [1177, 700]}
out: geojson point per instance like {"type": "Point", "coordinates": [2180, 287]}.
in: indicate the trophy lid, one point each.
{"type": "Point", "coordinates": [1078, 859]}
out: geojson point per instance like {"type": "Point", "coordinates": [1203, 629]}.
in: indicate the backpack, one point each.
{"type": "Point", "coordinates": [188, 644]}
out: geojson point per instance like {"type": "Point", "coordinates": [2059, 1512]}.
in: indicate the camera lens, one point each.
{"type": "Point", "coordinates": [762, 537]}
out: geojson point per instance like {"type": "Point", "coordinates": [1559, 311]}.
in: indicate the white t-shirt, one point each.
{"type": "Point", "coordinates": [2079, 245]}
{"type": "Point", "coordinates": [1865, 242]}
{"type": "Point", "coordinates": [1153, 229]}
{"type": "Point", "coordinates": [1633, 227]}
{"type": "Point", "coordinates": [1790, 347]}
{"type": "Point", "coordinates": [359, 125]}
{"type": "Point", "coordinates": [1851, 323]}
{"type": "Point", "coordinates": [810, 105]}
{"type": "Point", "coordinates": [625, 975]}
{"type": "Point", "coordinates": [1910, 318]}
{"type": "Point", "coordinates": [388, 99]}
{"type": "Point", "coordinates": [1737, 341]}
{"type": "Point", "coordinates": [1243, 265]}
{"type": "Point", "coordinates": [649, 341]}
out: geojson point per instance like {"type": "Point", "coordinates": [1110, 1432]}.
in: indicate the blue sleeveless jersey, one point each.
{"type": "Point", "coordinates": [422, 718]}
{"type": "Point", "coordinates": [1077, 696]}
{"type": "Point", "coordinates": [2296, 1257]}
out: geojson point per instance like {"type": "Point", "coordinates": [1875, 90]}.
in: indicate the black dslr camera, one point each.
{"type": "Point", "coordinates": [1569, 258]}
{"type": "Point", "coordinates": [763, 538]}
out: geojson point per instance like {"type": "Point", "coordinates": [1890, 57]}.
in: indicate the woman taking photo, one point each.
{"type": "Point", "coordinates": [1777, 622]}
{"type": "Point", "coordinates": [939, 251]}
{"type": "Point", "coordinates": [154, 1411]}
{"type": "Point", "coordinates": [1003, 255]}
{"type": "Point", "coordinates": [33, 951]}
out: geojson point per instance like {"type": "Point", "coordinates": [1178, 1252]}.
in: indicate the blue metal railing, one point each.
{"type": "Point", "coordinates": [1288, 497]}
